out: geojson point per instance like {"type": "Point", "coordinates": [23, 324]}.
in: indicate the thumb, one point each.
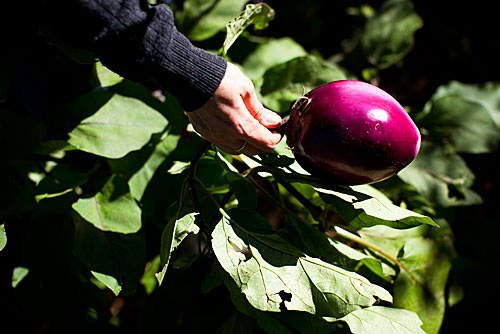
{"type": "Point", "coordinates": [263, 115]}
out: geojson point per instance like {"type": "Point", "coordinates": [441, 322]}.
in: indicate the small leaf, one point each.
{"type": "Point", "coordinates": [3, 237]}
{"type": "Point", "coordinates": [380, 319]}
{"type": "Point", "coordinates": [18, 275]}
{"type": "Point", "coordinates": [177, 229]}
{"type": "Point", "coordinates": [112, 209]}
{"type": "Point", "coordinates": [272, 274]}
{"type": "Point", "coordinates": [109, 281]}
{"type": "Point", "coordinates": [105, 76]}
{"type": "Point", "coordinates": [257, 14]}
{"type": "Point", "coordinates": [365, 206]}
{"type": "Point", "coordinates": [121, 125]}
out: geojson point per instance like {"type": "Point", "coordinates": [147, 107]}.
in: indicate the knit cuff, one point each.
{"type": "Point", "coordinates": [194, 74]}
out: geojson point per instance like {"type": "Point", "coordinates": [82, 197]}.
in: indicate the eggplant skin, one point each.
{"type": "Point", "coordinates": [351, 132]}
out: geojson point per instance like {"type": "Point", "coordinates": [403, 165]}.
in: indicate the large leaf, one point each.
{"type": "Point", "coordinates": [386, 320]}
{"type": "Point", "coordinates": [270, 53]}
{"type": "Point", "coordinates": [117, 260]}
{"type": "Point", "coordinates": [286, 82]}
{"type": "Point", "coordinates": [441, 176]}
{"type": "Point", "coordinates": [274, 275]}
{"type": "Point", "coordinates": [460, 120]}
{"type": "Point", "coordinates": [112, 209]}
{"type": "Point", "coordinates": [388, 35]}
{"type": "Point", "coordinates": [257, 14]}
{"type": "Point", "coordinates": [121, 125]}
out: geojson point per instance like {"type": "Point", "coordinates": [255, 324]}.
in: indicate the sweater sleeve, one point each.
{"type": "Point", "coordinates": [139, 42]}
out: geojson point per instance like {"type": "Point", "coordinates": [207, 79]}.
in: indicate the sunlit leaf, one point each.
{"type": "Point", "coordinates": [121, 125]}
{"type": "Point", "coordinates": [257, 14]}
{"type": "Point", "coordinates": [270, 53]}
{"type": "Point", "coordinates": [380, 319]}
{"type": "Point", "coordinates": [274, 275]}
{"type": "Point", "coordinates": [3, 237]}
{"type": "Point", "coordinates": [112, 209]}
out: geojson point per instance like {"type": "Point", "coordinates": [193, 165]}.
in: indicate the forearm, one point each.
{"type": "Point", "coordinates": [140, 42]}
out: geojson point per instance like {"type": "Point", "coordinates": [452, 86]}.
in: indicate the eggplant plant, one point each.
{"type": "Point", "coordinates": [135, 222]}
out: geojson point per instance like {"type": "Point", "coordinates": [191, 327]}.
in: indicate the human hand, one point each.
{"type": "Point", "coordinates": [234, 119]}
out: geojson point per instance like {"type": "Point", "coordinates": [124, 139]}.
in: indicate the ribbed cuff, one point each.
{"type": "Point", "coordinates": [194, 74]}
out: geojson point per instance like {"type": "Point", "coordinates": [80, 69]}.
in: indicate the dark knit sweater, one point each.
{"type": "Point", "coordinates": [139, 42]}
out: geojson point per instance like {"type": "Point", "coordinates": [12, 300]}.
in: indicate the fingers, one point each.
{"type": "Point", "coordinates": [264, 116]}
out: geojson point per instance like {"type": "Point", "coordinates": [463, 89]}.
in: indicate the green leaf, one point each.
{"type": "Point", "coordinates": [257, 14]}
{"type": "Point", "coordinates": [464, 123]}
{"type": "Point", "coordinates": [177, 229]}
{"type": "Point", "coordinates": [139, 181]}
{"type": "Point", "coordinates": [388, 35]}
{"type": "Point", "coordinates": [441, 176]}
{"type": "Point", "coordinates": [380, 319]}
{"type": "Point", "coordinates": [105, 76]}
{"type": "Point", "coordinates": [486, 94]}
{"type": "Point", "coordinates": [209, 17]}
{"type": "Point", "coordinates": [375, 265]}
{"type": "Point", "coordinates": [270, 53]}
{"type": "Point", "coordinates": [18, 275]}
{"type": "Point", "coordinates": [111, 256]}
{"type": "Point", "coordinates": [286, 82]}
{"type": "Point", "coordinates": [112, 209]}
{"type": "Point", "coordinates": [3, 237]}
{"type": "Point", "coordinates": [429, 259]}
{"type": "Point", "coordinates": [109, 281]}
{"type": "Point", "coordinates": [274, 275]}
{"type": "Point", "coordinates": [365, 206]}
{"type": "Point", "coordinates": [148, 280]}
{"type": "Point", "coordinates": [121, 125]}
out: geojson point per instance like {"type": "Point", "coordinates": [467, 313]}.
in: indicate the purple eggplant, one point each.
{"type": "Point", "coordinates": [351, 132]}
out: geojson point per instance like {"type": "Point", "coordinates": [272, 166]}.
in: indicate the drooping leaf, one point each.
{"type": "Point", "coordinates": [380, 319]}
{"type": "Point", "coordinates": [112, 209]}
{"type": "Point", "coordinates": [177, 229]}
{"type": "Point", "coordinates": [388, 34]}
{"type": "Point", "coordinates": [365, 206]}
{"type": "Point", "coordinates": [286, 82]}
{"type": "Point", "coordinates": [272, 274]}
{"type": "Point", "coordinates": [121, 125]}
{"type": "Point", "coordinates": [116, 259]}
{"type": "Point", "coordinates": [441, 176]}
{"type": "Point", "coordinates": [140, 179]}
{"type": "Point", "coordinates": [257, 14]}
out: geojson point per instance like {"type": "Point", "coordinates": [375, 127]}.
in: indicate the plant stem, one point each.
{"type": "Point", "coordinates": [377, 249]}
